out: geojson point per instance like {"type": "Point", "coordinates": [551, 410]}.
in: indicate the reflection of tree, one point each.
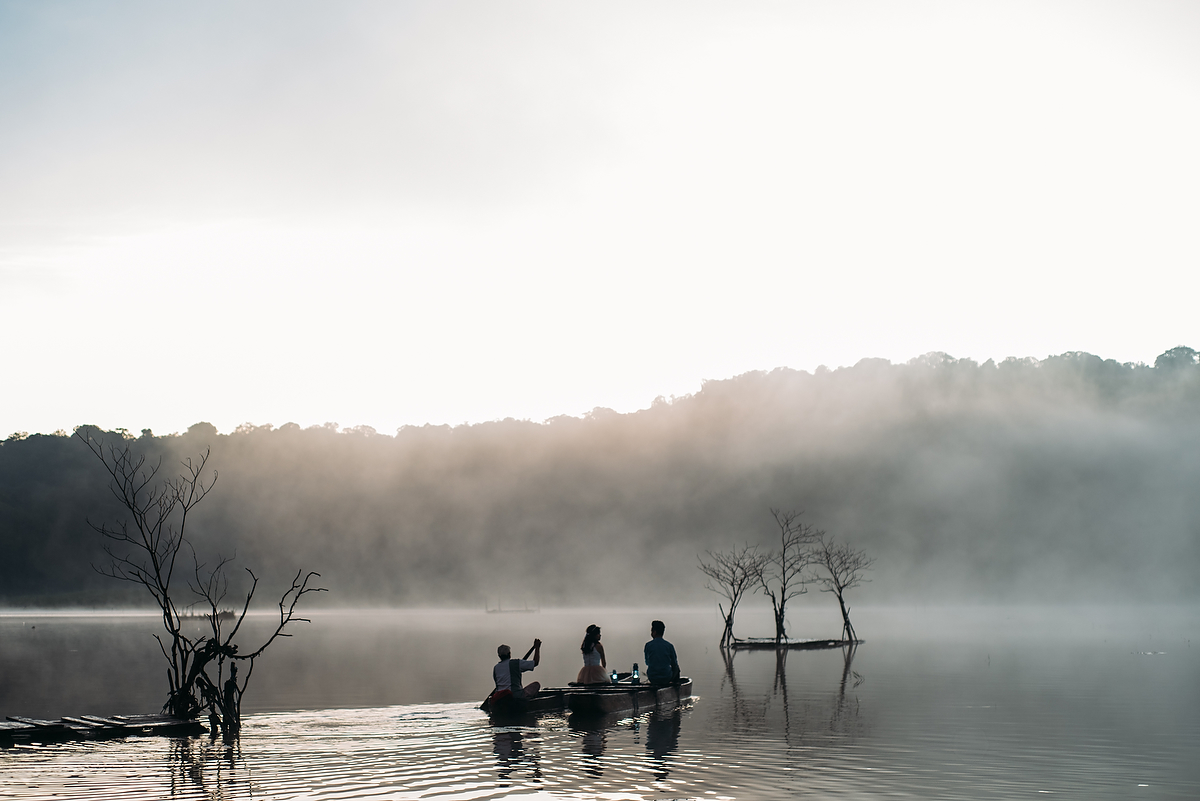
{"type": "Point", "coordinates": [830, 716]}
{"type": "Point", "coordinates": [740, 713]}
{"type": "Point", "coordinates": [187, 771]}
{"type": "Point", "coordinates": [779, 689]}
{"type": "Point", "coordinates": [841, 710]}
{"type": "Point", "coordinates": [210, 768]}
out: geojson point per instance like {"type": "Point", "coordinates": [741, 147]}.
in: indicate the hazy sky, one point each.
{"type": "Point", "coordinates": [442, 212]}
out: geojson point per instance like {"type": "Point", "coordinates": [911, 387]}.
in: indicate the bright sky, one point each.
{"type": "Point", "coordinates": [401, 213]}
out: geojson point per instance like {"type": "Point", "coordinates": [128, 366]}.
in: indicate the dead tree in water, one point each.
{"type": "Point", "coordinates": [841, 568]}
{"type": "Point", "coordinates": [145, 550]}
{"type": "Point", "coordinates": [732, 574]}
{"type": "Point", "coordinates": [781, 576]}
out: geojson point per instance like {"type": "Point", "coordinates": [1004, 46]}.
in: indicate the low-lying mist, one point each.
{"type": "Point", "coordinates": [1073, 478]}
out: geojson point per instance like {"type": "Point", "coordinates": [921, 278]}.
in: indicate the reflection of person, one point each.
{"type": "Point", "coordinates": [594, 663]}
{"type": "Point", "coordinates": [593, 738]}
{"type": "Point", "coordinates": [662, 733]}
{"type": "Point", "coordinates": [662, 667]}
{"type": "Point", "coordinates": [507, 747]}
{"type": "Point", "coordinates": [507, 674]}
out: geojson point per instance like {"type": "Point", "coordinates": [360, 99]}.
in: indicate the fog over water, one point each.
{"type": "Point", "coordinates": [939, 702]}
{"type": "Point", "coordinates": [1067, 479]}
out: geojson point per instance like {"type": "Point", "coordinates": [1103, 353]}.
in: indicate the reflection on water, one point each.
{"type": "Point", "coordinates": [973, 717]}
{"type": "Point", "coordinates": [814, 717]}
{"type": "Point", "coordinates": [511, 755]}
{"type": "Point", "coordinates": [591, 731]}
{"type": "Point", "coordinates": [200, 767]}
{"type": "Point", "coordinates": [662, 738]}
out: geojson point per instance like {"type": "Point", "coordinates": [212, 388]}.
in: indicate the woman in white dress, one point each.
{"type": "Point", "coordinates": [592, 671]}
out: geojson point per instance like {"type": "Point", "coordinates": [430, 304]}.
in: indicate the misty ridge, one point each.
{"type": "Point", "coordinates": [1073, 478]}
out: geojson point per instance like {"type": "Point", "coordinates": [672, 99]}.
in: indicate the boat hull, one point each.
{"type": "Point", "coordinates": [594, 700]}
{"type": "Point", "coordinates": [628, 698]}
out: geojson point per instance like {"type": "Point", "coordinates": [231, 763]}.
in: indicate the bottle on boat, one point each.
{"type": "Point", "coordinates": [635, 677]}
{"type": "Point", "coordinates": [614, 676]}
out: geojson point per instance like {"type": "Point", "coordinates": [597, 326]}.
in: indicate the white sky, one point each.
{"type": "Point", "coordinates": [443, 212]}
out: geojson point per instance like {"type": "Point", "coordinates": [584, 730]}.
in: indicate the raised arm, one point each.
{"type": "Point", "coordinates": [537, 652]}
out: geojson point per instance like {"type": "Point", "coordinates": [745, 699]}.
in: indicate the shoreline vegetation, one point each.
{"type": "Point", "coordinates": [1065, 479]}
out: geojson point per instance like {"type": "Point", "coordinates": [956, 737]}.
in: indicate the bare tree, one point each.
{"type": "Point", "coordinates": [145, 550]}
{"type": "Point", "coordinates": [781, 575]}
{"type": "Point", "coordinates": [841, 568]}
{"type": "Point", "coordinates": [731, 575]}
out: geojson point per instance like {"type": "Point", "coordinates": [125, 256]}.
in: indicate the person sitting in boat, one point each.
{"type": "Point", "coordinates": [594, 663]}
{"type": "Point", "coordinates": [507, 674]}
{"type": "Point", "coordinates": [662, 667]}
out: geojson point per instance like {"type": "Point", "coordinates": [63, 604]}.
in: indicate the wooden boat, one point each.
{"type": "Point", "coordinates": [772, 644]}
{"type": "Point", "coordinates": [593, 699]}
{"type": "Point", "coordinates": [627, 698]}
{"type": "Point", "coordinates": [92, 727]}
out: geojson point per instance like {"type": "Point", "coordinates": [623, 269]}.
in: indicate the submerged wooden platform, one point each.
{"type": "Point", "coordinates": [771, 643]}
{"type": "Point", "coordinates": [601, 699]}
{"type": "Point", "coordinates": [93, 727]}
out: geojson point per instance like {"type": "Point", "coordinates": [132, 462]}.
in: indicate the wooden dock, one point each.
{"type": "Point", "coordinates": [17, 729]}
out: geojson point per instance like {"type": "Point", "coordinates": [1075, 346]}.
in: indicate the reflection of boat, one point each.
{"type": "Point", "coordinates": [772, 643]}
{"type": "Point", "coordinates": [595, 699]}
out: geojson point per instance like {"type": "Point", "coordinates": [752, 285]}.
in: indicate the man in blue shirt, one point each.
{"type": "Point", "coordinates": [662, 667]}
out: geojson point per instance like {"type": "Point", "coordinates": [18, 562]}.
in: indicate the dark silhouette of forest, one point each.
{"type": "Point", "coordinates": [1070, 478]}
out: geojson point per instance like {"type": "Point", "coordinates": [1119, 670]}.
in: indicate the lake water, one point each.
{"type": "Point", "coordinates": [937, 703]}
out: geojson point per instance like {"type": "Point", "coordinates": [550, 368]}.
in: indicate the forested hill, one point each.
{"type": "Point", "coordinates": [1068, 478]}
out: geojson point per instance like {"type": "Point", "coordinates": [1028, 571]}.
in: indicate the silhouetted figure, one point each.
{"type": "Point", "coordinates": [507, 675]}
{"type": "Point", "coordinates": [233, 716]}
{"type": "Point", "coordinates": [594, 662]}
{"type": "Point", "coordinates": [662, 666]}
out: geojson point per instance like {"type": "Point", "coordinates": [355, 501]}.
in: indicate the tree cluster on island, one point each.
{"type": "Point", "coordinates": [806, 555]}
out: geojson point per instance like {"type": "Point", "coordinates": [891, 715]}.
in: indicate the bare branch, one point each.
{"type": "Point", "coordinates": [731, 575]}
{"type": "Point", "coordinates": [841, 568]}
{"type": "Point", "coordinates": [287, 607]}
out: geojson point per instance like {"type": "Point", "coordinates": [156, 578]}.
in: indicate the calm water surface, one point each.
{"type": "Point", "coordinates": [938, 703]}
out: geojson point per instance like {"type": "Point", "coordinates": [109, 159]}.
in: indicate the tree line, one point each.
{"type": "Point", "coordinates": [1067, 478]}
